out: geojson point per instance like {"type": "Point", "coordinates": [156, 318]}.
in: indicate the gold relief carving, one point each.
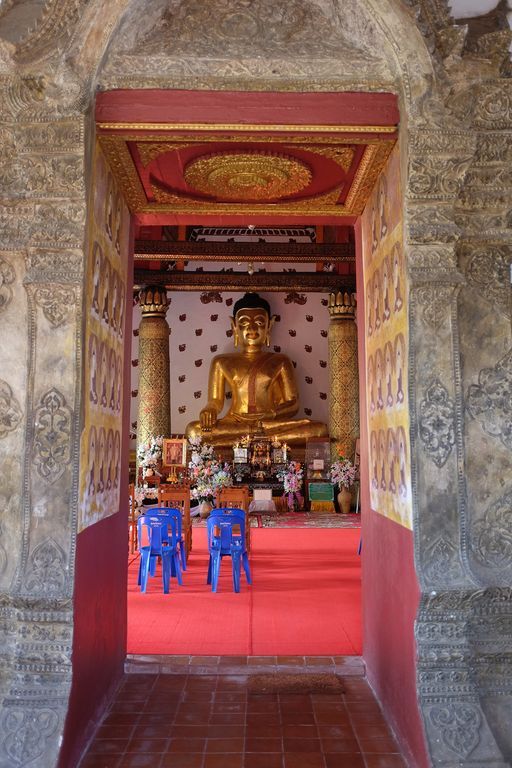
{"type": "Point", "coordinates": [248, 176]}
{"type": "Point", "coordinates": [231, 281]}
{"type": "Point", "coordinates": [343, 384]}
{"type": "Point", "coordinates": [342, 305]}
{"type": "Point", "coordinates": [154, 328]}
{"type": "Point", "coordinates": [119, 157]}
{"type": "Point", "coordinates": [342, 156]}
{"type": "Point", "coordinates": [150, 146]}
{"type": "Point", "coordinates": [174, 201]}
{"type": "Point", "coordinates": [154, 377]}
{"type": "Point", "coordinates": [319, 205]}
{"type": "Point", "coordinates": [121, 163]}
{"type": "Point", "coordinates": [149, 150]}
{"type": "Point", "coordinates": [231, 128]}
{"type": "Point", "coordinates": [153, 301]}
{"type": "Point", "coordinates": [373, 161]}
{"type": "Point", "coordinates": [151, 250]}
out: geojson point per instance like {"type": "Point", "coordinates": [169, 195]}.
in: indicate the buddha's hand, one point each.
{"type": "Point", "coordinates": [208, 417]}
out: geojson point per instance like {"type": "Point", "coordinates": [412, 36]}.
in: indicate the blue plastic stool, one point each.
{"type": "Point", "coordinates": [167, 513]}
{"type": "Point", "coordinates": [224, 540]}
{"type": "Point", "coordinates": [161, 544]}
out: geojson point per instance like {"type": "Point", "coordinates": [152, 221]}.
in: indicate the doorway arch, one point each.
{"type": "Point", "coordinates": [447, 150]}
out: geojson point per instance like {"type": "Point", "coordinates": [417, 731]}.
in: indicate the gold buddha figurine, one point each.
{"type": "Point", "coordinates": [264, 392]}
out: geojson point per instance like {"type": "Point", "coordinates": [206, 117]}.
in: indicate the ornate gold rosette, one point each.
{"type": "Point", "coordinates": [247, 176]}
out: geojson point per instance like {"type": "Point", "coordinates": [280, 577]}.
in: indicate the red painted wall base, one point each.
{"type": "Point", "coordinates": [99, 637]}
{"type": "Point", "coordinates": [390, 601]}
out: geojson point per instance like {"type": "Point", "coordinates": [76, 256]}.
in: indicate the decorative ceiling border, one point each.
{"type": "Point", "coordinates": [119, 156]}
{"type": "Point", "coordinates": [372, 163]}
{"type": "Point", "coordinates": [122, 166]}
{"type": "Point", "coordinates": [316, 282]}
{"type": "Point", "coordinates": [244, 128]}
{"type": "Point", "coordinates": [184, 203]}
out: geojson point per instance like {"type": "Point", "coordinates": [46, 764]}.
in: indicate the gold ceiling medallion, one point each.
{"type": "Point", "coordinates": [247, 176]}
{"type": "Point", "coordinates": [167, 201]}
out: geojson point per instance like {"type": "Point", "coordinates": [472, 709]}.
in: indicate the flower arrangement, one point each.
{"type": "Point", "coordinates": [206, 473]}
{"type": "Point", "coordinates": [150, 452]}
{"type": "Point", "coordinates": [144, 492]}
{"type": "Point", "coordinates": [291, 477]}
{"type": "Point", "coordinates": [343, 471]}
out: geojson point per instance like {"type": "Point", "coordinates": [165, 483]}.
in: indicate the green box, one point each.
{"type": "Point", "coordinates": [321, 492]}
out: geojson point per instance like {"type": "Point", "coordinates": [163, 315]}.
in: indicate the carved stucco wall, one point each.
{"type": "Point", "coordinates": [458, 343]}
{"type": "Point", "coordinates": [42, 218]}
{"type": "Point", "coordinates": [456, 135]}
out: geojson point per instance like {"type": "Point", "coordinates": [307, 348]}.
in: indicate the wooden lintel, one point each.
{"type": "Point", "coordinates": [203, 251]}
{"type": "Point", "coordinates": [320, 282]}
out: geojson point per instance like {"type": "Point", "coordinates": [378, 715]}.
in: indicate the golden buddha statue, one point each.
{"type": "Point", "coordinates": [262, 383]}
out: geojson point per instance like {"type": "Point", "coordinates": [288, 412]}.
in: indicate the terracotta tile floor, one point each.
{"type": "Point", "coordinates": [213, 721]}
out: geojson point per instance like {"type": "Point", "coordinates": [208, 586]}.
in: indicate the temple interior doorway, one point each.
{"type": "Point", "coordinates": [284, 211]}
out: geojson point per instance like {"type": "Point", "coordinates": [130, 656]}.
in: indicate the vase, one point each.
{"type": "Point", "coordinates": [344, 500]}
{"type": "Point", "coordinates": [205, 507]}
{"type": "Point", "coordinates": [149, 472]}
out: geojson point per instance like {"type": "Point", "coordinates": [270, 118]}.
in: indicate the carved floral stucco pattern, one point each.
{"type": "Point", "coordinates": [436, 304]}
{"type": "Point", "coordinates": [229, 28]}
{"type": "Point", "coordinates": [52, 450]}
{"type": "Point", "coordinates": [47, 574]}
{"type": "Point", "coordinates": [10, 411]}
{"type": "Point", "coordinates": [492, 536]}
{"type": "Point", "coordinates": [489, 271]}
{"type": "Point", "coordinates": [490, 401]}
{"type": "Point", "coordinates": [56, 303]}
{"type": "Point", "coordinates": [441, 561]}
{"type": "Point", "coordinates": [3, 553]}
{"type": "Point", "coordinates": [437, 423]}
{"type": "Point", "coordinates": [26, 733]}
{"type": "Point", "coordinates": [459, 726]}
{"type": "Point", "coordinates": [7, 277]}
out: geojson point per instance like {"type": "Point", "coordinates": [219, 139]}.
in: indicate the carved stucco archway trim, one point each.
{"type": "Point", "coordinates": [445, 129]}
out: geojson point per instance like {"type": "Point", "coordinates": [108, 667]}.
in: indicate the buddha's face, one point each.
{"type": "Point", "coordinates": [252, 327]}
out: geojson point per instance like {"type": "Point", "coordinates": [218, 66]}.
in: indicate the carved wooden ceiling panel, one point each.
{"type": "Point", "coordinates": [211, 167]}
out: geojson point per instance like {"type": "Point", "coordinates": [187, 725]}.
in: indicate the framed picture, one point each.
{"type": "Point", "coordinates": [174, 452]}
{"type": "Point", "coordinates": [240, 455]}
{"type": "Point", "coordinates": [278, 456]}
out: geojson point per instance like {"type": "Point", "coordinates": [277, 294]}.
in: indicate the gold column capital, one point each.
{"type": "Point", "coordinates": [153, 301]}
{"type": "Point", "coordinates": [342, 306]}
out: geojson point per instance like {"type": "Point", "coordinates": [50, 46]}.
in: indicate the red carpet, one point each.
{"type": "Point", "coordinates": [304, 600]}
